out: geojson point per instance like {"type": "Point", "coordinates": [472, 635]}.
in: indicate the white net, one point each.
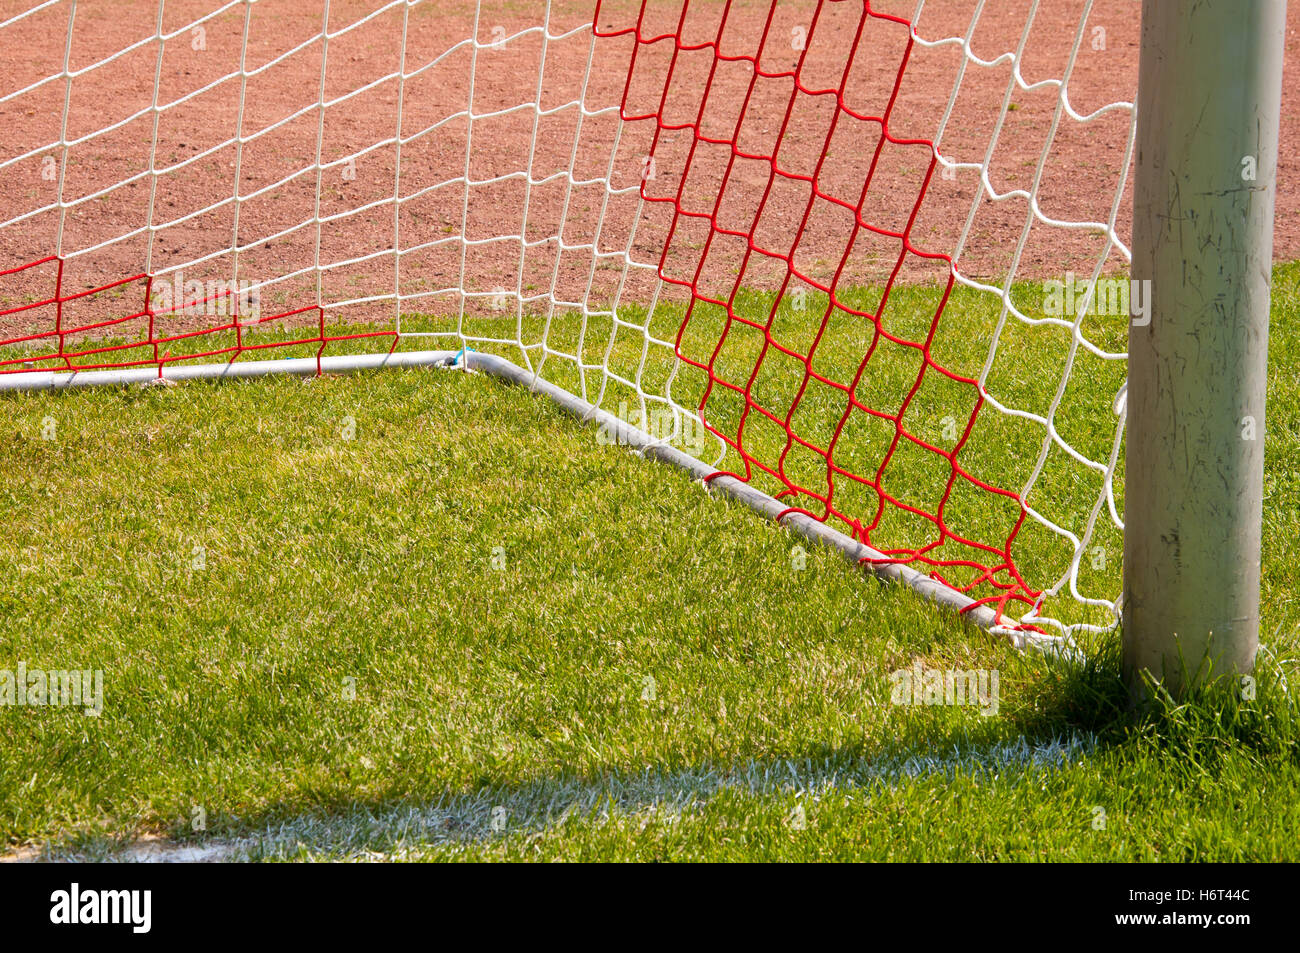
{"type": "Point", "coordinates": [867, 257]}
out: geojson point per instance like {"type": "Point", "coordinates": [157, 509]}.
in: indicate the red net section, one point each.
{"type": "Point", "coordinates": [206, 321]}
{"type": "Point", "coordinates": [706, 147]}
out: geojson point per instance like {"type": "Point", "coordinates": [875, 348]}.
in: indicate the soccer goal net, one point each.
{"type": "Point", "coordinates": [866, 257]}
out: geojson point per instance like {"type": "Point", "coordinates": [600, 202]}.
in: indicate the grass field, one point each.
{"type": "Point", "coordinates": [472, 631]}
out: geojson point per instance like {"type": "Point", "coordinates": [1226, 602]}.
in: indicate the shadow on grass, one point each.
{"type": "Point", "coordinates": [1258, 715]}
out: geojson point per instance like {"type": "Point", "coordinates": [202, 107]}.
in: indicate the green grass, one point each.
{"type": "Point", "coordinates": [642, 674]}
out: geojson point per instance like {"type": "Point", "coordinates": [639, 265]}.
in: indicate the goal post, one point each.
{"type": "Point", "coordinates": [1209, 94]}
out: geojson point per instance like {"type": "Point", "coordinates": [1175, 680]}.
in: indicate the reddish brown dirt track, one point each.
{"type": "Point", "coordinates": [1079, 177]}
